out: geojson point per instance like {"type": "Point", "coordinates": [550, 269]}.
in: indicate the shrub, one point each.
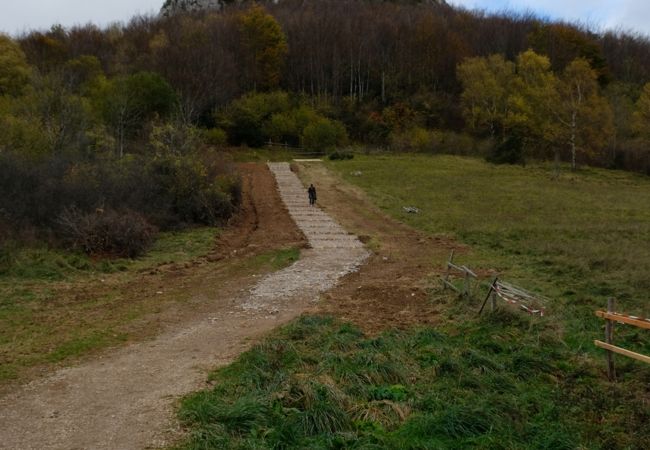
{"type": "Point", "coordinates": [124, 234]}
{"type": "Point", "coordinates": [174, 139]}
{"type": "Point", "coordinates": [324, 134]}
{"type": "Point", "coordinates": [415, 139]}
{"type": "Point", "coordinates": [216, 137]}
{"type": "Point", "coordinates": [633, 154]}
{"type": "Point", "coordinates": [508, 151]}
{"type": "Point", "coordinates": [341, 155]}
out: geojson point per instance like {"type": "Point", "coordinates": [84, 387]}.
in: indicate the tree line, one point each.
{"type": "Point", "coordinates": [406, 76]}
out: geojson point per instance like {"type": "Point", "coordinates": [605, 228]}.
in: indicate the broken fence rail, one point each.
{"type": "Point", "coordinates": [514, 295]}
{"type": "Point", "coordinates": [465, 272]}
{"type": "Point", "coordinates": [611, 318]}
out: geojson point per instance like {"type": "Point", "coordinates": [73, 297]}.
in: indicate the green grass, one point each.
{"type": "Point", "coordinates": [276, 259]}
{"type": "Point", "coordinates": [47, 264]}
{"type": "Point", "coordinates": [503, 380]}
{"type": "Point", "coordinates": [578, 239]}
{"type": "Point", "coordinates": [498, 383]}
{"type": "Point", "coordinates": [44, 320]}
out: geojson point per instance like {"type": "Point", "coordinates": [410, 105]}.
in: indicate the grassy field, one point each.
{"type": "Point", "coordinates": [504, 380]}
{"type": "Point", "coordinates": [56, 305]}
{"type": "Point", "coordinates": [578, 239]}
{"type": "Point", "coordinates": [494, 383]}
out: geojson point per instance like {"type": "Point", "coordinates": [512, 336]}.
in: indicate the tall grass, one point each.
{"type": "Point", "coordinates": [503, 380]}
{"type": "Point", "coordinates": [464, 388]}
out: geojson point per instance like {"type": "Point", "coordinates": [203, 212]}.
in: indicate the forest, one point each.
{"type": "Point", "coordinates": [111, 134]}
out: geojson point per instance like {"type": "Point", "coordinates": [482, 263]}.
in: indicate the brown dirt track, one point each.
{"type": "Point", "coordinates": [394, 288]}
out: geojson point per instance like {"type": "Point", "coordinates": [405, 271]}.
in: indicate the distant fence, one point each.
{"type": "Point", "coordinates": [611, 318]}
{"type": "Point", "coordinates": [302, 151]}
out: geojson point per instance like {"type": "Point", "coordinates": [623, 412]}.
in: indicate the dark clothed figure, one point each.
{"type": "Point", "coordinates": [312, 195]}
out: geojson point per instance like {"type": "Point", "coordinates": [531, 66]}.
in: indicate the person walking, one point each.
{"type": "Point", "coordinates": [312, 195]}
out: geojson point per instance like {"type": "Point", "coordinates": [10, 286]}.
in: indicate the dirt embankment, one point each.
{"type": "Point", "coordinates": [392, 289]}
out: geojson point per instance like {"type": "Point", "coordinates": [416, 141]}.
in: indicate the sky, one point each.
{"type": "Point", "coordinates": [628, 15]}
{"type": "Point", "coordinates": [17, 16]}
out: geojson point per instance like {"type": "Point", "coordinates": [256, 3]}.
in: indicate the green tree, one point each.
{"type": "Point", "coordinates": [487, 83]}
{"type": "Point", "coordinates": [266, 47]}
{"type": "Point", "coordinates": [642, 113]}
{"type": "Point", "coordinates": [324, 135]}
{"type": "Point", "coordinates": [584, 118]}
{"type": "Point", "coordinates": [246, 117]}
{"type": "Point", "coordinates": [531, 100]}
{"type": "Point", "coordinates": [14, 70]}
{"type": "Point", "coordinates": [127, 103]}
{"type": "Point", "coordinates": [47, 119]}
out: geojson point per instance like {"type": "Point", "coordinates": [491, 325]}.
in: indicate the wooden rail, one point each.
{"type": "Point", "coordinates": [463, 271]}
{"type": "Point", "coordinates": [533, 304]}
{"type": "Point", "coordinates": [611, 318]}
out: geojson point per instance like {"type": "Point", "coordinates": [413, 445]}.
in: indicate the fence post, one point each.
{"type": "Point", "coordinates": [609, 338]}
{"type": "Point", "coordinates": [493, 300]}
{"type": "Point", "coordinates": [467, 286]}
{"type": "Point", "coordinates": [487, 297]}
{"type": "Point", "coordinates": [451, 259]}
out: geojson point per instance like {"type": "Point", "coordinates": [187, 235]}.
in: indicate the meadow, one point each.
{"type": "Point", "coordinates": [503, 380]}
{"type": "Point", "coordinates": [577, 239]}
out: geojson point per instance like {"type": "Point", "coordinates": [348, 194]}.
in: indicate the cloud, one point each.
{"type": "Point", "coordinates": [630, 15]}
{"type": "Point", "coordinates": [25, 15]}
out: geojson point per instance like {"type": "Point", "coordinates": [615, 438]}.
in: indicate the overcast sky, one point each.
{"type": "Point", "coordinates": [629, 15]}
{"type": "Point", "coordinates": [20, 15]}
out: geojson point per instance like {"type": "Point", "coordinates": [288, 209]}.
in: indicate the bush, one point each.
{"type": "Point", "coordinates": [633, 155]}
{"type": "Point", "coordinates": [414, 139]}
{"type": "Point", "coordinates": [324, 134]}
{"type": "Point", "coordinates": [216, 137]}
{"type": "Point", "coordinates": [124, 234]}
{"type": "Point", "coordinates": [508, 151]}
{"type": "Point", "coordinates": [341, 155]}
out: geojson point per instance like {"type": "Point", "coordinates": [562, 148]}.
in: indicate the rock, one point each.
{"type": "Point", "coordinates": [171, 7]}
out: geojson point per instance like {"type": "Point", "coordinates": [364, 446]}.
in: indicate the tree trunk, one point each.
{"type": "Point", "coordinates": [573, 140]}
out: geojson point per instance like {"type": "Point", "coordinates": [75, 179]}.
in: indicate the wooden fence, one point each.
{"type": "Point", "coordinates": [465, 273]}
{"type": "Point", "coordinates": [533, 304]}
{"type": "Point", "coordinates": [301, 151]}
{"type": "Point", "coordinates": [611, 318]}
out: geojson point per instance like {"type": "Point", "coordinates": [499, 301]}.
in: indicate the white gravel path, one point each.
{"type": "Point", "coordinates": [334, 253]}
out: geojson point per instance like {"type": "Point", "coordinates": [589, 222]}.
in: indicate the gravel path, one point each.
{"type": "Point", "coordinates": [125, 400]}
{"type": "Point", "coordinates": [333, 254]}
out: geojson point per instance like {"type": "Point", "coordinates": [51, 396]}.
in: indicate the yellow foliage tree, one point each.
{"type": "Point", "coordinates": [14, 70]}
{"type": "Point", "coordinates": [487, 84]}
{"type": "Point", "coordinates": [266, 47]}
{"type": "Point", "coordinates": [642, 113]}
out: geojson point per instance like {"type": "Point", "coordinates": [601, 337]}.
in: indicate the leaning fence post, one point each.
{"type": "Point", "coordinates": [490, 291]}
{"type": "Point", "coordinates": [609, 338]}
{"type": "Point", "coordinates": [451, 259]}
{"type": "Point", "coordinates": [467, 286]}
{"type": "Point", "coordinates": [493, 300]}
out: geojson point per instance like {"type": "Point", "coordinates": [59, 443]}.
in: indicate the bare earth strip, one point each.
{"type": "Point", "coordinates": [125, 400]}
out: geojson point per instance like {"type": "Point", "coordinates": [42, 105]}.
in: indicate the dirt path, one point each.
{"type": "Point", "coordinates": [125, 400]}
